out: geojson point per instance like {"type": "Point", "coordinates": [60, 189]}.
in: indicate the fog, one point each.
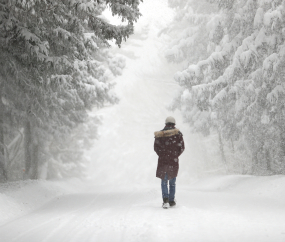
{"type": "Point", "coordinates": [124, 151]}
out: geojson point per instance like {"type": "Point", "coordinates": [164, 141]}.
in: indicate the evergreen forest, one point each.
{"type": "Point", "coordinates": [233, 78]}
{"type": "Point", "coordinates": [56, 66]}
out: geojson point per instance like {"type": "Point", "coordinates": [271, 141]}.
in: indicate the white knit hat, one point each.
{"type": "Point", "coordinates": [170, 120]}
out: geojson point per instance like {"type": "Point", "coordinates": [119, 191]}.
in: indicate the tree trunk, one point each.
{"type": "Point", "coordinates": [35, 161]}
{"type": "Point", "coordinates": [31, 153]}
{"type": "Point", "coordinates": [282, 143]}
{"type": "Point", "coordinates": [256, 156]}
{"type": "Point", "coordinates": [268, 161]}
{"type": "Point", "coordinates": [254, 162]}
{"type": "Point", "coordinates": [221, 146]}
{"type": "Point", "coordinates": [3, 172]}
{"type": "Point", "coordinates": [27, 147]}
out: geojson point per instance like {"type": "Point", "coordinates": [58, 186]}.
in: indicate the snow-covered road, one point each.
{"type": "Point", "coordinates": [233, 208]}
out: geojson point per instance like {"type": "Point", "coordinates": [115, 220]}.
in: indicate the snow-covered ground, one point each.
{"type": "Point", "coordinates": [121, 199]}
{"type": "Point", "coordinates": [19, 198]}
{"type": "Point", "coordinates": [222, 208]}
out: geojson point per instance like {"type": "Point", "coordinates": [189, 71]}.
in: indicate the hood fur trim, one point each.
{"type": "Point", "coordinates": [166, 133]}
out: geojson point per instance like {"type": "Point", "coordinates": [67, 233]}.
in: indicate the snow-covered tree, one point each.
{"type": "Point", "coordinates": [189, 30]}
{"type": "Point", "coordinates": [237, 91]}
{"type": "Point", "coordinates": [50, 74]}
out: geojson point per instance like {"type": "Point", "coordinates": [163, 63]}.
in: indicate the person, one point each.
{"type": "Point", "coordinates": [168, 145]}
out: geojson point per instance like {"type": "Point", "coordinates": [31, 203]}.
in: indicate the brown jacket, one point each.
{"type": "Point", "coordinates": [168, 145]}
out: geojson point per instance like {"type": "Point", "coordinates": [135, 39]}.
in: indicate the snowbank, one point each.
{"type": "Point", "coordinates": [265, 186]}
{"type": "Point", "coordinates": [19, 198]}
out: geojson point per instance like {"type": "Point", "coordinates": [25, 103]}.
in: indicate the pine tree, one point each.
{"type": "Point", "coordinates": [238, 90]}
{"type": "Point", "coordinates": [50, 76]}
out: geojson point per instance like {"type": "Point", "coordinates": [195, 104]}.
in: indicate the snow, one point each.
{"type": "Point", "coordinates": [194, 69]}
{"type": "Point", "coordinates": [275, 93]}
{"type": "Point", "coordinates": [212, 24]}
{"type": "Point", "coordinates": [270, 15]}
{"type": "Point", "coordinates": [219, 208]}
{"type": "Point", "coordinates": [217, 57]}
{"type": "Point", "coordinates": [19, 198]}
{"type": "Point", "coordinates": [186, 95]}
{"type": "Point", "coordinates": [258, 19]}
{"type": "Point", "coordinates": [267, 63]}
{"type": "Point", "coordinates": [221, 95]}
{"type": "Point", "coordinates": [245, 57]}
{"type": "Point", "coordinates": [121, 198]}
{"type": "Point", "coordinates": [261, 37]}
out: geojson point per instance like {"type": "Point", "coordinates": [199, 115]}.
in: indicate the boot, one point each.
{"type": "Point", "coordinates": [172, 203]}
{"type": "Point", "coordinates": [165, 203]}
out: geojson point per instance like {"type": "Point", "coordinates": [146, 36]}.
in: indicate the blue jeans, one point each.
{"type": "Point", "coordinates": [164, 188]}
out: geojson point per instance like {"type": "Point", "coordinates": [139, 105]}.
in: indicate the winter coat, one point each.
{"type": "Point", "coordinates": [168, 145]}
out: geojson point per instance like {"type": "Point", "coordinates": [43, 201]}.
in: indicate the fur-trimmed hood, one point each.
{"type": "Point", "coordinates": [166, 133]}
